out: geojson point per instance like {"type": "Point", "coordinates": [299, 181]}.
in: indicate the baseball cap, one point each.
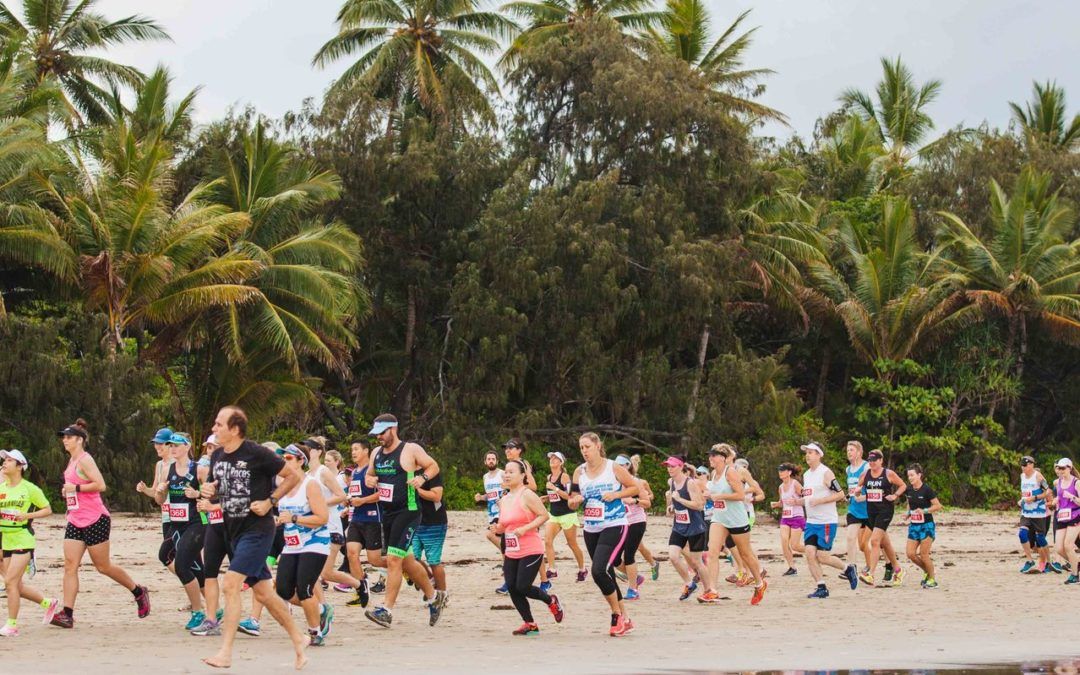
{"type": "Point", "coordinates": [875, 454]}
{"type": "Point", "coordinates": [382, 425]}
{"type": "Point", "coordinates": [512, 443]}
{"type": "Point", "coordinates": [312, 443]}
{"type": "Point", "coordinates": [178, 439]}
{"type": "Point", "coordinates": [622, 460]}
{"type": "Point", "coordinates": [743, 462]}
{"type": "Point", "coordinates": [162, 436]}
{"type": "Point", "coordinates": [294, 450]}
{"type": "Point", "coordinates": [812, 446]}
{"type": "Point", "coordinates": [562, 457]}
{"type": "Point", "coordinates": [75, 431]}
{"type": "Point", "coordinates": [701, 470]}
{"type": "Point", "coordinates": [1027, 459]}
{"type": "Point", "coordinates": [1064, 462]}
{"type": "Point", "coordinates": [15, 455]}
{"type": "Point", "coordinates": [673, 461]}
{"type": "Point", "coordinates": [211, 440]}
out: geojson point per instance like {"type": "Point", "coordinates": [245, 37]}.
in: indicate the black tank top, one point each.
{"type": "Point", "coordinates": [559, 507]}
{"type": "Point", "coordinates": [395, 493]}
{"type": "Point", "coordinates": [877, 489]}
{"type": "Point", "coordinates": [182, 509]}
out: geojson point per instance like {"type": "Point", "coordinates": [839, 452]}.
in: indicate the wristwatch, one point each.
{"type": "Point", "coordinates": [294, 519]}
{"type": "Point", "coordinates": [273, 500]}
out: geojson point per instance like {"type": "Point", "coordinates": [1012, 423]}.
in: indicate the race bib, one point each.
{"type": "Point", "coordinates": [808, 492]}
{"type": "Point", "coordinates": [355, 489]}
{"type": "Point", "coordinates": [719, 505]}
{"type": "Point", "coordinates": [1027, 493]}
{"type": "Point", "coordinates": [215, 516]}
{"type": "Point", "coordinates": [386, 492]}
{"type": "Point", "coordinates": [594, 511]}
{"type": "Point", "coordinates": [292, 541]}
{"type": "Point", "coordinates": [875, 495]}
{"type": "Point", "coordinates": [513, 544]}
{"type": "Point", "coordinates": [72, 501]}
{"type": "Point", "coordinates": [554, 497]}
{"type": "Point", "coordinates": [8, 517]}
{"type": "Point", "coordinates": [1064, 515]}
{"type": "Point", "coordinates": [492, 496]}
{"type": "Point", "coordinates": [178, 513]}
{"type": "Point", "coordinates": [918, 517]}
{"type": "Point", "coordinates": [788, 511]}
{"type": "Point", "coordinates": [682, 517]}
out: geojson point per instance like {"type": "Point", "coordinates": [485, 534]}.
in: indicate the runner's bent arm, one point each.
{"type": "Point", "coordinates": [433, 495]}
{"type": "Point", "coordinates": [630, 486]}
{"type": "Point", "coordinates": [836, 493]}
{"type": "Point", "coordinates": [536, 507]}
{"type": "Point", "coordinates": [575, 497]}
{"type": "Point", "coordinates": [337, 493]}
{"type": "Point", "coordinates": [901, 486]}
{"type": "Point", "coordinates": [90, 471]}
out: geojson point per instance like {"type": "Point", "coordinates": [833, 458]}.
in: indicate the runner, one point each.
{"type": "Point", "coordinates": [882, 487]}
{"type": "Point", "coordinates": [601, 485]}
{"type": "Point", "coordinates": [820, 492]}
{"type": "Point", "coordinates": [304, 514]}
{"type": "Point", "coordinates": [88, 526]}
{"type": "Point", "coordinates": [858, 526]}
{"type": "Point", "coordinates": [214, 549]}
{"type": "Point", "coordinates": [731, 519]}
{"type": "Point", "coordinates": [242, 474]}
{"type": "Point", "coordinates": [493, 491]}
{"type": "Point", "coordinates": [20, 503]}
{"type": "Point", "coordinates": [398, 468]}
{"type": "Point", "coordinates": [1034, 517]}
{"type": "Point", "coordinates": [636, 522]}
{"type": "Point", "coordinates": [161, 471]}
{"type": "Point", "coordinates": [563, 518]}
{"type": "Point", "coordinates": [753, 491]}
{"type": "Point", "coordinates": [521, 513]}
{"type": "Point", "coordinates": [792, 515]}
{"type": "Point", "coordinates": [686, 503]}
{"type": "Point", "coordinates": [1067, 514]}
{"type": "Point", "coordinates": [335, 497]}
{"type": "Point", "coordinates": [922, 503]}
{"type": "Point", "coordinates": [187, 526]}
{"type": "Point", "coordinates": [365, 525]}
{"type": "Point", "coordinates": [431, 535]}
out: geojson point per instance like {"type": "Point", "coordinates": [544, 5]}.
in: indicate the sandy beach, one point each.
{"type": "Point", "coordinates": [976, 616]}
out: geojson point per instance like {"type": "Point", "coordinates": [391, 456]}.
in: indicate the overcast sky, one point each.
{"type": "Point", "coordinates": [987, 52]}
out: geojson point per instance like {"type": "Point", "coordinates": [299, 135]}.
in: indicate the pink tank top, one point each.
{"type": "Point", "coordinates": [790, 510]}
{"type": "Point", "coordinates": [512, 515]}
{"type": "Point", "coordinates": [635, 514]}
{"type": "Point", "coordinates": [83, 508]}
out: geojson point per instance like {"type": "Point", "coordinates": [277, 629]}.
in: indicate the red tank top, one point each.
{"type": "Point", "coordinates": [512, 515]}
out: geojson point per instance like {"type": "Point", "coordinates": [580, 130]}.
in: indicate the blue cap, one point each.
{"type": "Point", "coordinates": [380, 427]}
{"type": "Point", "coordinates": [162, 436]}
{"type": "Point", "coordinates": [179, 439]}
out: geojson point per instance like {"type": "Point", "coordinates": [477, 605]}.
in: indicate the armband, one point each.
{"type": "Point", "coordinates": [835, 486]}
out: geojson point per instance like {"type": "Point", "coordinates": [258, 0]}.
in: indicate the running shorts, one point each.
{"type": "Point", "coordinates": [1036, 525]}
{"type": "Point", "coordinates": [920, 531]}
{"type": "Point", "coordinates": [93, 534]}
{"type": "Point", "coordinates": [398, 530]}
{"type": "Point", "coordinates": [248, 552]}
{"type": "Point", "coordinates": [566, 522]}
{"type": "Point", "coordinates": [368, 535]}
{"type": "Point", "coordinates": [18, 551]}
{"type": "Point", "coordinates": [428, 542]}
{"type": "Point", "coordinates": [820, 536]}
{"type": "Point", "coordinates": [696, 542]}
{"type": "Point", "coordinates": [855, 520]}
{"type": "Point", "coordinates": [880, 518]}
{"type": "Point", "coordinates": [798, 523]}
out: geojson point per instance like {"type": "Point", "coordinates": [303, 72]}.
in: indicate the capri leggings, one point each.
{"type": "Point", "coordinates": [605, 548]}
{"type": "Point", "coordinates": [297, 574]}
{"type": "Point", "coordinates": [519, 575]}
{"type": "Point", "coordinates": [215, 548]}
{"type": "Point", "coordinates": [189, 562]}
{"type": "Point", "coordinates": [634, 534]}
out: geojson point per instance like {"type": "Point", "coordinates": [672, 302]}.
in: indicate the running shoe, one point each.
{"type": "Point", "coordinates": [898, 577]}
{"type": "Point", "coordinates": [502, 590]}
{"type": "Point", "coordinates": [380, 615]}
{"type": "Point", "coordinates": [317, 640]}
{"type": "Point", "coordinates": [545, 586]}
{"type": "Point", "coordinates": [63, 620]}
{"type": "Point", "coordinates": [9, 631]}
{"type": "Point", "coordinates": [640, 579]}
{"type": "Point", "coordinates": [1038, 569]}
{"type": "Point", "coordinates": [527, 629]}
{"type": "Point", "coordinates": [709, 598]}
{"type": "Point", "coordinates": [435, 607]}
{"type": "Point", "coordinates": [343, 588]}
{"type": "Point", "coordinates": [730, 559]}
{"type": "Point", "coordinates": [744, 580]}
{"type": "Point", "coordinates": [552, 573]}
{"type": "Point", "coordinates": [791, 571]}
{"type": "Point", "coordinates": [732, 578]}
{"type": "Point", "coordinates": [218, 614]}
{"type": "Point", "coordinates": [326, 619]}
{"type": "Point", "coordinates": [687, 590]}
{"type": "Point", "coordinates": [379, 587]}
{"type": "Point", "coordinates": [196, 620]}
{"type": "Point", "coordinates": [1046, 569]}
{"type": "Point", "coordinates": [249, 626]}
{"type": "Point", "coordinates": [1027, 567]}
{"type": "Point", "coordinates": [697, 578]}
{"type": "Point", "coordinates": [930, 583]}
{"type": "Point", "coordinates": [207, 629]}
{"type": "Point", "coordinates": [1056, 568]}
{"type": "Point", "coordinates": [1073, 579]}
{"type": "Point", "coordinates": [759, 593]}
{"type": "Point", "coordinates": [618, 625]}
{"type": "Point", "coordinates": [925, 578]}
{"type": "Point", "coordinates": [866, 578]}
{"type": "Point", "coordinates": [620, 574]}
{"type": "Point", "coordinates": [50, 611]}
{"type": "Point", "coordinates": [887, 577]}
{"type": "Point", "coordinates": [362, 593]}
{"type": "Point", "coordinates": [582, 575]}
{"type": "Point", "coordinates": [142, 601]}
{"type": "Point", "coordinates": [556, 608]}
{"type": "Point", "coordinates": [655, 570]}
{"type": "Point", "coordinates": [629, 627]}
{"type": "Point", "coordinates": [821, 592]}
{"type": "Point", "coordinates": [851, 573]}
{"type": "Point", "coordinates": [631, 594]}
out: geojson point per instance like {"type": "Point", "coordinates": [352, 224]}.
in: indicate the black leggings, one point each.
{"type": "Point", "coordinates": [215, 548]}
{"type": "Point", "coordinates": [189, 546]}
{"type": "Point", "coordinates": [635, 532]}
{"type": "Point", "coordinates": [297, 574]}
{"type": "Point", "coordinates": [605, 548]}
{"type": "Point", "coordinates": [519, 575]}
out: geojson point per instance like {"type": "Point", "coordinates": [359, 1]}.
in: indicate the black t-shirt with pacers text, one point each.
{"type": "Point", "coordinates": [244, 476]}
{"type": "Point", "coordinates": [433, 513]}
{"type": "Point", "coordinates": [920, 499]}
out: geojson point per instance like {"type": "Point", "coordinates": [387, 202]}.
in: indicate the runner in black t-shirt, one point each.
{"type": "Point", "coordinates": [429, 538]}
{"type": "Point", "coordinates": [922, 503]}
{"type": "Point", "coordinates": [242, 478]}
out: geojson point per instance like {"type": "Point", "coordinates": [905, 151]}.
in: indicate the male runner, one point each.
{"type": "Point", "coordinates": [821, 491]}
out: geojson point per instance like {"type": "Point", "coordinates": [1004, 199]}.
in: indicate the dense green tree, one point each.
{"type": "Point", "coordinates": [547, 19]}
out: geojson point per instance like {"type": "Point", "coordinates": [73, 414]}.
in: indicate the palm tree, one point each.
{"type": "Point", "coordinates": [419, 51]}
{"type": "Point", "coordinates": [547, 19]}
{"type": "Point", "coordinates": [853, 157]}
{"type": "Point", "coordinates": [1024, 268]}
{"type": "Point", "coordinates": [682, 31]}
{"type": "Point", "coordinates": [899, 114]}
{"type": "Point", "coordinates": [55, 35]}
{"type": "Point", "coordinates": [1044, 118]}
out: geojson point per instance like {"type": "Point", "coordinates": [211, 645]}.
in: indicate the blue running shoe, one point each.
{"type": "Point", "coordinates": [821, 593]}
{"type": "Point", "coordinates": [545, 586]}
{"type": "Point", "coordinates": [326, 619]}
{"type": "Point", "coordinates": [688, 590]}
{"type": "Point", "coordinates": [631, 594]}
{"type": "Point", "coordinates": [196, 620]}
{"type": "Point", "coordinates": [502, 590]}
{"type": "Point", "coordinates": [220, 613]}
{"type": "Point", "coordinates": [852, 574]}
{"type": "Point", "coordinates": [380, 615]}
{"type": "Point", "coordinates": [250, 626]}
{"type": "Point", "coordinates": [1028, 566]}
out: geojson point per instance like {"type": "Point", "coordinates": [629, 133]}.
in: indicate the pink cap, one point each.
{"type": "Point", "coordinates": [673, 461]}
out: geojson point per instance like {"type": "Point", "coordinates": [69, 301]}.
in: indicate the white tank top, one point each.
{"type": "Point", "coordinates": [299, 538]}
{"type": "Point", "coordinates": [333, 522]}
{"type": "Point", "coordinates": [600, 515]}
{"type": "Point", "coordinates": [814, 487]}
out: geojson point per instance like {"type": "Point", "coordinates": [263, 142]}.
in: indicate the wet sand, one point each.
{"type": "Point", "coordinates": [983, 612]}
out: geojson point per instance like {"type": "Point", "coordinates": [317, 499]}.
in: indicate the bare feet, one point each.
{"type": "Point", "coordinates": [301, 656]}
{"type": "Point", "coordinates": [218, 661]}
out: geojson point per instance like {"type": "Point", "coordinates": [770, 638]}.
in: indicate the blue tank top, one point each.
{"type": "Point", "coordinates": [856, 509]}
{"type": "Point", "coordinates": [688, 522]}
{"type": "Point", "coordinates": [599, 514]}
{"type": "Point", "coordinates": [368, 513]}
{"type": "Point", "coordinates": [1033, 486]}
